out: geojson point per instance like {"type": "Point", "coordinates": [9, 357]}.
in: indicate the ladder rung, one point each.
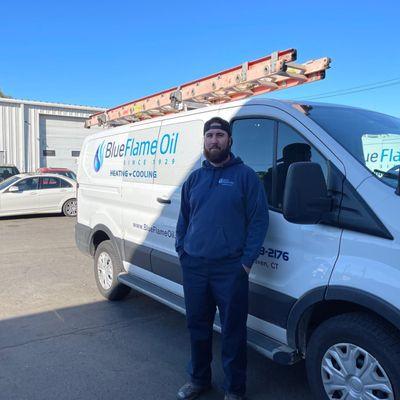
{"type": "Point", "coordinates": [194, 104]}
{"type": "Point", "coordinates": [296, 67]}
{"type": "Point", "coordinates": [202, 100]}
{"type": "Point", "coordinates": [247, 91]}
{"type": "Point", "coordinates": [266, 83]}
{"type": "Point", "coordinates": [154, 113]}
{"type": "Point", "coordinates": [298, 77]}
{"type": "Point", "coordinates": [215, 96]}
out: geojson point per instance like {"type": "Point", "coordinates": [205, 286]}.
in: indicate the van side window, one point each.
{"type": "Point", "coordinates": [292, 147]}
{"type": "Point", "coordinates": [253, 142]}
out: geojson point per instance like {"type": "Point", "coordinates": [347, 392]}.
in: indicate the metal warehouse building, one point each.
{"type": "Point", "coordinates": [34, 134]}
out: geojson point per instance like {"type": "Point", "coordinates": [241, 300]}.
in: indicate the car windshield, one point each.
{"type": "Point", "coordinates": [372, 138]}
{"type": "Point", "coordinates": [71, 175]}
{"type": "Point", "coordinates": [68, 174]}
{"type": "Point", "coordinates": [8, 182]}
{"type": "Point", "coordinates": [6, 172]}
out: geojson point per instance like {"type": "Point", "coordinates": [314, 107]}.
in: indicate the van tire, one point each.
{"type": "Point", "coordinates": [107, 267]}
{"type": "Point", "coordinates": [69, 208]}
{"type": "Point", "coordinates": [355, 332]}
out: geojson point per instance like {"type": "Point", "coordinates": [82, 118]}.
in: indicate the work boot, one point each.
{"type": "Point", "coordinates": [190, 391]}
{"type": "Point", "coordinates": [231, 396]}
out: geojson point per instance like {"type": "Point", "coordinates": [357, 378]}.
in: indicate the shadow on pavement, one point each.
{"type": "Point", "coordinates": [135, 349]}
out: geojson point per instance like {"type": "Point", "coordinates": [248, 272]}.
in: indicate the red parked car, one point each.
{"type": "Point", "coordinates": [59, 171]}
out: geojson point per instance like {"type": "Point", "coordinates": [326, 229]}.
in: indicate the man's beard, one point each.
{"type": "Point", "coordinates": [217, 156]}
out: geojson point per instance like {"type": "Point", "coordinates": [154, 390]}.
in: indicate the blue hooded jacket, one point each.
{"type": "Point", "coordinates": [224, 213]}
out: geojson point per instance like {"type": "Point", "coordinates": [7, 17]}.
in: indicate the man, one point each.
{"type": "Point", "coordinates": [221, 227]}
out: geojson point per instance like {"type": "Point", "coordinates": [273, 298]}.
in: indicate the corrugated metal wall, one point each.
{"type": "Point", "coordinates": [20, 129]}
{"type": "Point", "coordinates": [11, 133]}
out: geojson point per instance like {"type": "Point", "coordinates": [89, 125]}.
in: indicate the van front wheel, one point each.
{"type": "Point", "coordinates": [107, 267]}
{"type": "Point", "coordinates": [354, 356]}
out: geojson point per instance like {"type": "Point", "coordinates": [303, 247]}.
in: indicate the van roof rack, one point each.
{"type": "Point", "coordinates": [274, 72]}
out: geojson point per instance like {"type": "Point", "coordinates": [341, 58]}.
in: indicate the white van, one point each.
{"type": "Point", "coordinates": [326, 286]}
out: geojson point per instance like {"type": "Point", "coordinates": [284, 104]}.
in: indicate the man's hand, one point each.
{"type": "Point", "coordinates": [247, 269]}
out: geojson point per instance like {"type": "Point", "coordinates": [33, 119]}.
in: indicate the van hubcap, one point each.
{"type": "Point", "coordinates": [105, 270]}
{"type": "Point", "coordinates": [351, 373]}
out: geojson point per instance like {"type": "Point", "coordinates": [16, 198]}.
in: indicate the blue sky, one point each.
{"type": "Point", "coordinates": [107, 53]}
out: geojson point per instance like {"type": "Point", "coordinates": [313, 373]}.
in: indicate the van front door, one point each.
{"type": "Point", "coordinates": [295, 259]}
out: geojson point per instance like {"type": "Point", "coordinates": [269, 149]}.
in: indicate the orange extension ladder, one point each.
{"type": "Point", "coordinates": [274, 72]}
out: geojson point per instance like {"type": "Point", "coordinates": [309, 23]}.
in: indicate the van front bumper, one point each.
{"type": "Point", "coordinates": [82, 238]}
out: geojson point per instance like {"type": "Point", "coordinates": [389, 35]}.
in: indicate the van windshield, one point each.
{"type": "Point", "coordinates": [372, 138]}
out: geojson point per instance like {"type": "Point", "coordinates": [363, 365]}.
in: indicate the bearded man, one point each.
{"type": "Point", "coordinates": [222, 224]}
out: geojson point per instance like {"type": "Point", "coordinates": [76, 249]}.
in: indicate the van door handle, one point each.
{"type": "Point", "coordinates": [162, 200]}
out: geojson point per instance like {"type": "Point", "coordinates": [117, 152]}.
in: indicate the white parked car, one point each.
{"type": "Point", "coordinates": [36, 194]}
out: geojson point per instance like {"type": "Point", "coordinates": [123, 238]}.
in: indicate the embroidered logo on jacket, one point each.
{"type": "Point", "coordinates": [226, 182]}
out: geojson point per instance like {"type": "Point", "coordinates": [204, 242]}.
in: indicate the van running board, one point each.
{"type": "Point", "coordinates": [265, 345]}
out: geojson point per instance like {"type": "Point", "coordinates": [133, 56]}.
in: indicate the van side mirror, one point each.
{"type": "Point", "coordinates": [13, 189]}
{"type": "Point", "coordinates": [305, 199]}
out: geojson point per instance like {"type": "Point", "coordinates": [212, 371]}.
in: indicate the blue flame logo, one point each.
{"type": "Point", "coordinates": [98, 158]}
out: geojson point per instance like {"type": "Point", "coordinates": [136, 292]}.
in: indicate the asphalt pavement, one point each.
{"type": "Point", "coordinates": [60, 339]}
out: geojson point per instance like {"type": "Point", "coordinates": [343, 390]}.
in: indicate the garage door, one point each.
{"type": "Point", "coordinates": [61, 139]}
